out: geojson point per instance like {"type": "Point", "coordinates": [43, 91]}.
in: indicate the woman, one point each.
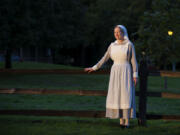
{"type": "Point", "coordinates": [120, 102]}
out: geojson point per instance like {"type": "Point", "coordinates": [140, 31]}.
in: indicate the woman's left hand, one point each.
{"type": "Point", "coordinates": [135, 81]}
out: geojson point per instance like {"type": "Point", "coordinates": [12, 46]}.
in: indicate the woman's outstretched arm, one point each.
{"type": "Point", "coordinates": [100, 63]}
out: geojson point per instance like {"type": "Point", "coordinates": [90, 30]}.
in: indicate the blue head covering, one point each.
{"type": "Point", "coordinates": [125, 31]}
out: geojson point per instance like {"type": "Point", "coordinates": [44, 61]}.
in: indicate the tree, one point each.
{"type": "Point", "coordinates": [103, 15]}
{"type": "Point", "coordinates": [50, 23]}
{"type": "Point", "coordinates": [153, 31]}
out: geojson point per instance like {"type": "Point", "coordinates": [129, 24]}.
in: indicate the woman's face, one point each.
{"type": "Point", "coordinates": [118, 34]}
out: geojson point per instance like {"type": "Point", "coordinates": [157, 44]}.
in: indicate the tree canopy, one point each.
{"type": "Point", "coordinates": [84, 24]}
{"type": "Point", "coordinates": [154, 40]}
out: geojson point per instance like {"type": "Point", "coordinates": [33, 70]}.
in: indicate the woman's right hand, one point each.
{"type": "Point", "coordinates": [89, 70]}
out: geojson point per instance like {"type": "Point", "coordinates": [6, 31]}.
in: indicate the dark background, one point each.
{"type": "Point", "coordinates": [78, 32]}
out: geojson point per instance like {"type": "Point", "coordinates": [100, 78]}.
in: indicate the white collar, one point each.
{"type": "Point", "coordinates": [123, 43]}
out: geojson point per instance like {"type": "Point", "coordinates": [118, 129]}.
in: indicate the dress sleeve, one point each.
{"type": "Point", "coordinates": [134, 62]}
{"type": "Point", "coordinates": [103, 59]}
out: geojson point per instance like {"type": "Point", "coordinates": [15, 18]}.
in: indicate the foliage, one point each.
{"type": "Point", "coordinates": [153, 31]}
{"type": "Point", "coordinates": [53, 23]}
{"type": "Point", "coordinates": [103, 15]}
{"type": "Point", "coordinates": [87, 26]}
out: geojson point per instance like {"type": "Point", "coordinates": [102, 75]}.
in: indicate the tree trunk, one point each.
{"type": "Point", "coordinates": [173, 66]}
{"type": "Point", "coordinates": [53, 53]}
{"type": "Point", "coordinates": [21, 55]}
{"type": "Point", "coordinates": [8, 62]}
{"type": "Point", "coordinates": [36, 54]}
{"type": "Point", "coordinates": [83, 52]}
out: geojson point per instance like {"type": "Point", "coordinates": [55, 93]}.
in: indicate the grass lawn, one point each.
{"type": "Point", "coordinates": [57, 81]}
{"type": "Point", "coordinates": [34, 125]}
{"type": "Point", "coordinates": [86, 82]}
{"type": "Point", "coordinates": [73, 102]}
{"type": "Point", "coordinates": [37, 65]}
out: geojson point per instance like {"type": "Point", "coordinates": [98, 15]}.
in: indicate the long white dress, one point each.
{"type": "Point", "coordinates": [120, 101]}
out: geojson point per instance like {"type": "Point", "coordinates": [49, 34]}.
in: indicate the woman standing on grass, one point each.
{"type": "Point", "coordinates": [120, 102]}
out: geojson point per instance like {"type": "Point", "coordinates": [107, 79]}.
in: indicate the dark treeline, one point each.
{"type": "Point", "coordinates": [83, 29]}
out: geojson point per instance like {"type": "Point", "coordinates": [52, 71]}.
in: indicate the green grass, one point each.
{"type": "Point", "coordinates": [86, 82]}
{"type": "Point", "coordinates": [73, 102]}
{"type": "Point", "coordinates": [31, 125]}
{"type": "Point", "coordinates": [35, 125]}
{"type": "Point", "coordinates": [157, 84]}
{"type": "Point", "coordinates": [37, 65]}
{"type": "Point", "coordinates": [53, 102]}
{"type": "Point", "coordinates": [58, 81]}
{"type": "Point", "coordinates": [54, 81]}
